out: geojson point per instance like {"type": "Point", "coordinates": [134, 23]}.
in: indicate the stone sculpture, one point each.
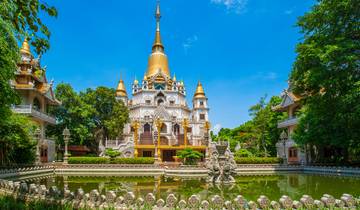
{"type": "Point", "coordinates": [221, 165]}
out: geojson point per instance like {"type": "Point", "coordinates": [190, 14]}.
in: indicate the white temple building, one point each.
{"type": "Point", "coordinates": [161, 122]}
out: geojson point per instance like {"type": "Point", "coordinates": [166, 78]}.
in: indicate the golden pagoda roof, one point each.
{"type": "Point", "coordinates": [25, 47]}
{"type": "Point", "coordinates": [174, 78]}
{"type": "Point", "coordinates": [121, 90]}
{"type": "Point", "coordinates": [199, 93]}
{"type": "Point", "coordinates": [157, 60]}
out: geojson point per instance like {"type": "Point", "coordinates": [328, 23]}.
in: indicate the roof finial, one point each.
{"type": "Point", "coordinates": [199, 93]}
{"type": "Point", "coordinates": [25, 48]}
{"type": "Point", "coordinates": [157, 44]}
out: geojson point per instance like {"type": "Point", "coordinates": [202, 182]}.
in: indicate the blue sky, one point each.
{"type": "Point", "coordinates": [239, 49]}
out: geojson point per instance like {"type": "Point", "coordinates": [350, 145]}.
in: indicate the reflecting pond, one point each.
{"type": "Point", "coordinates": [250, 186]}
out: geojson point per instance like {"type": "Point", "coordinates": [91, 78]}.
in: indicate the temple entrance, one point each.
{"type": "Point", "coordinates": [167, 155]}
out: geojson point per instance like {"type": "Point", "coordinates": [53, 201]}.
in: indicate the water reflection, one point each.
{"type": "Point", "coordinates": [250, 186]}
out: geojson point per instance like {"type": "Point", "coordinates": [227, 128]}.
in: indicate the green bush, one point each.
{"type": "Point", "coordinates": [243, 153]}
{"type": "Point", "coordinates": [139, 160]}
{"type": "Point", "coordinates": [88, 160]}
{"type": "Point", "coordinates": [189, 156]}
{"type": "Point", "coordinates": [112, 153]}
{"type": "Point", "coordinates": [105, 160]}
{"type": "Point", "coordinates": [10, 203]}
{"type": "Point", "coordinates": [257, 160]}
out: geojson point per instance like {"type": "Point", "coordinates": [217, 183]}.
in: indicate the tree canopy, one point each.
{"type": "Point", "coordinates": [259, 135]}
{"type": "Point", "coordinates": [18, 19]}
{"type": "Point", "coordinates": [326, 74]}
{"type": "Point", "coordinates": [88, 115]}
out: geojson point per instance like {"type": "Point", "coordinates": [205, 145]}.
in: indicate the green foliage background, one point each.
{"type": "Point", "coordinates": [18, 19]}
{"type": "Point", "coordinates": [258, 136]}
{"type": "Point", "coordinates": [89, 115]}
{"type": "Point", "coordinates": [326, 74]}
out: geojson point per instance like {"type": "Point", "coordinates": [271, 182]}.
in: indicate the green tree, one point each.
{"type": "Point", "coordinates": [16, 139]}
{"type": "Point", "coordinates": [326, 75]}
{"type": "Point", "coordinates": [111, 115]}
{"type": "Point", "coordinates": [89, 115]}
{"type": "Point", "coordinates": [18, 19]}
{"type": "Point", "coordinates": [189, 156]}
{"type": "Point", "coordinates": [74, 114]}
{"type": "Point", "coordinates": [260, 134]}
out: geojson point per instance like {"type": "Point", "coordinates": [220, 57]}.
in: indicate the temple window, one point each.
{"type": "Point", "coordinates": [202, 116]}
{"type": "Point", "coordinates": [176, 129]}
{"type": "Point", "coordinates": [201, 103]}
{"type": "Point", "coordinates": [160, 102]}
{"type": "Point", "coordinates": [172, 103]}
{"type": "Point", "coordinates": [36, 104]}
{"type": "Point", "coordinates": [189, 130]}
{"type": "Point", "coordinates": [163, 128]}
{"type": "Point", "coordinates": [148, 101]}
{"type": "Point", "coordinates": [292, 152]}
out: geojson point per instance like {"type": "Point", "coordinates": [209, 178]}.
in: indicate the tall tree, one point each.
{"type": "Point", "coordinates": [326, 74]}
{"type": "Point", "coordinates": [88, 113]}
{"type": "Point", "coordinates": [18, 18]}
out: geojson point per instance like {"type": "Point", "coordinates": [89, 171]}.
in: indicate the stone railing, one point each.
{"type": "Point", "coordinates": [109, 200]}
{"type": "Point", "coordinates": [29, 170]}
{"type": "Point", "coordinates": [31, 110]}
{"type": "Point", "coordinates": [258, 168]}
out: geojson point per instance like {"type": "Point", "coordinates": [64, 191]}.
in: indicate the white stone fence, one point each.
{"type": "Point", "coordinates": [23, 171]}
{"type": "Point", "coordinates": [109, 200]}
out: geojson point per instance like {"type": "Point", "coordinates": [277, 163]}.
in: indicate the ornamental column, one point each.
{"type": "Point", "coordinates": [66, 134]}
{"type": "Point", "coordinates": [158, 124]}
{"type": "Point", "coordinates": [185, 125]}
{"type": "Point", "coordinates": [207, 127]}
{"type": "Point", "coordinates": [38, 140]}
{"type": "Point", "coordinates": [136, 126]}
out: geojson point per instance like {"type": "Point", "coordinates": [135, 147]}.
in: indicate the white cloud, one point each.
{"type": "Point", "coordinates": [216, 128]}
{"type": "Point", "coordinates": [237, 6]}
{"type": "Point", "coordinates": [189, 42]}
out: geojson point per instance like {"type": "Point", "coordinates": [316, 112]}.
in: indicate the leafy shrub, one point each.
{"type": "Point", "coordinates": [105, 160]}
{"type": "Point", "coordinates": [243, 153]}
{"type": "Point", "coordinates": [112, 153]}
{"type": "Point", "coordinates": [9, 202]}
{"type": "Point", "coordinates": [91, 155]}
{"type": "Point", "coordinates": [138, 160]}
{"type": "Point", "coordinates": [257, 160]}
{"type": "Point", "coordinates": [189, 156]}
{"type": "Point", "coordinates": [88, 160]}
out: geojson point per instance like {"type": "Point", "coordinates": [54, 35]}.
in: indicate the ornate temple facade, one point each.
{"type": "Point", "coordinates": [161, 122]}
{"type": "Point", "coordinates": [36, 97]}
{"type": "Point", "coordinates": [287, 148]}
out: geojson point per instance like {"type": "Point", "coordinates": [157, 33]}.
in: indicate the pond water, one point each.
{"type": "Point", "coordinates": [250, 186]}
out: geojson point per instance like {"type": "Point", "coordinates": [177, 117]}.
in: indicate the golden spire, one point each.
{"type": "Point", "coordinates": [174, 78]}
{"type": "Point", "coordinates": [121, 90]}
{"type": "Point", "coordinates": [157, 46]}
{"type": "Point", "coordinates": [199, 93]}
{"type": "Point", "coordinates": [158, 60]}
{"type": "Point", "coordinates": [25, 48]}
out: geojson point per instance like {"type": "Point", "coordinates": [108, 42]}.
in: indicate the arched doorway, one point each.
{"type": "Point", "coordinates": [147, 128]}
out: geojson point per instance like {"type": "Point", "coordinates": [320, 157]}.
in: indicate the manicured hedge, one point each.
{"type": "Point", "coordinates": [257, 160]}
{"type": "Point", "coordinates": [105, 160]}
{"type": "Point", "coordinates": [139, 160]}
{"type": "Point", "coordinates": [88, 160]}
